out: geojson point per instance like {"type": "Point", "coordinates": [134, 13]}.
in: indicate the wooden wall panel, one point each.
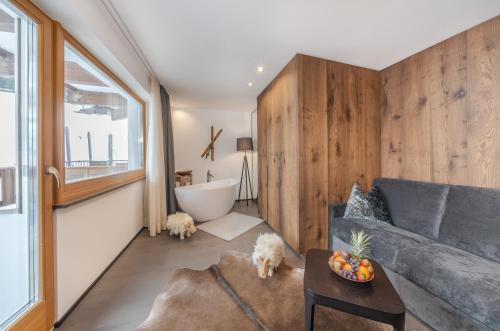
{"type": "Point", "coordinates": [441, 111]}
{"type": "Point", "coordinates": [483, 104]}
{"type": "Point", "coordinates": [391, 105]}
{"type": "Point", "coordinates": [322, 135]}
{"type": "Point", "coordinates": [274, 170]}
{"type": "Point", "coordinates": [354, 128]}
{"type": "Point", "coordinates": [288, 104]}
{"type": "Point", "coordinates": [448, 79]}
{"type": "Point", "coordinates": [370, 98]}
{"type": "Point", "coordinates": [415, 121]}
{"type": "Point", "coordinates": [262, 109]}
{"type": "Point", "coordinates": [278, 104]}
{"type": "Point", "coordinates": [313, 156]}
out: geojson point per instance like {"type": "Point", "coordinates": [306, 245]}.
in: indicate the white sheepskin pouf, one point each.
{"type": "Point", "coordinates": [268, 253]}
{"type": "Point", "coordinates": [180, 224]}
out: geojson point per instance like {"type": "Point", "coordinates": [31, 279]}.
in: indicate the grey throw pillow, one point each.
{"type": "Point", "coordinates": [376, 200]}
{"type": "Point", "coordinates": [366, 206]}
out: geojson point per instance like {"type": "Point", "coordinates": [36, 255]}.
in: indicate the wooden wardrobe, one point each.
{"type": "Point", "coordinates": [318, 133]}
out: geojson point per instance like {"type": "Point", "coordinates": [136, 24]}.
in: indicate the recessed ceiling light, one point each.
{"type": "Point", "coordinates": [250, 84]}
{"type": "Point", "coordinates": [260, 69]}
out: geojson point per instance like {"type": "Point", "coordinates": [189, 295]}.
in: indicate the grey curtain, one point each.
{"type": "Point", "coordinates": [168, 145]}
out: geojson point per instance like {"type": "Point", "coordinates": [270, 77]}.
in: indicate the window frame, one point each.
{"type": "Point", "coordinates": [73, 192]}
{"type": "Point", "coordinates": [42, 314]}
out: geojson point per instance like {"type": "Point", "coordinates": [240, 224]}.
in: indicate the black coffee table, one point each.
{"type": "Point", "coordinates": [376, 300]}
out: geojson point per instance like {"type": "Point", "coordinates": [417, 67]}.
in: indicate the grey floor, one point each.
{"type": "Point", "coordinates": [121, 300]}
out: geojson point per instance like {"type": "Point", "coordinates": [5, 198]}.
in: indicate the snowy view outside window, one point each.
{"type": "Point", "coordinates": [103, 124]}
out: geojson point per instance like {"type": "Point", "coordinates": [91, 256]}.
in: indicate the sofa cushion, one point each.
{"type": "Point", "coordinates": [414, 206]}
{"type": "Point", "coordinates": [386, 239]}
{"type": "Point", "coordinates": [466, 281]}
{"type": "Point", "coordinates": [358, 205]}
{"type": "Point", "coordinates": [472, 221]}
{"type": "Point", "coordinates": [377, 201]}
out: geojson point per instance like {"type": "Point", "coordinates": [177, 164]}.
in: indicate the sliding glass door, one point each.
{"type": "Point", "coordinates": [21, 188]}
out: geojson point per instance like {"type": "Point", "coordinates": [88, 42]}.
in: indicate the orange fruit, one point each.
{"type": "Point", "coordinates": [364, 271]}
{"type": "Point", "coordinates": [347, 267]}
{"type": "Point", "coordinates": [340, 259]}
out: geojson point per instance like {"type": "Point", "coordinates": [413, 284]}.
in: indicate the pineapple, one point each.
{"type": "Point", "coordinates": [360, 245]}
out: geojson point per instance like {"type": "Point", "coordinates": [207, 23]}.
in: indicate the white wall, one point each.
{"type": "Point", "coordinates": [192, 135]}
{"type": "Point", "coordinates": [90, 235]}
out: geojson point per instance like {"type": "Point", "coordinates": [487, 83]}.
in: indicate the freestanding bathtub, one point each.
{"type": "Point", "coordinates": [207, 201]}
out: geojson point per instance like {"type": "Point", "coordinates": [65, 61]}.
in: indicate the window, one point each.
{"type": "Point", "coordinates": [19, 241]}
{"type": "Point", "coordinates": [100, 143]}
{"type": "Point", "coordinates": [102, 123]}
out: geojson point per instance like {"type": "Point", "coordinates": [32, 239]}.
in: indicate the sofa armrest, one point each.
{"type": "Point", "coordinates": [334, 211]}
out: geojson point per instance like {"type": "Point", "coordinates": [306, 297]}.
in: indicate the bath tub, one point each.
{"type": "Point", "coordinates": [207, 201]}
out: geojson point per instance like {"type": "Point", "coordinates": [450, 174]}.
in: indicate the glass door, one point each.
{"type": "Point", "coordinates": [22, 201]}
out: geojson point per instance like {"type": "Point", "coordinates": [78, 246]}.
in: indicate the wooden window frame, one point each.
{"type": "Point", "coordinates": [70, 193]}
{"type": "Point", "coordinates": [42, 314]}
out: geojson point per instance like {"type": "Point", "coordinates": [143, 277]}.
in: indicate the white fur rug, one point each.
{"type": "Point", "coordinates": [230, 226]}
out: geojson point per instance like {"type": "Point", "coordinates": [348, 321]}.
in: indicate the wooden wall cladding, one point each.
{"type": "Point", "coordinates": [354, 129]}
{"type": "Point", "coordinates": [313, 156]}
{"type": "Point", "coordinates": [262, 152]}
{"type": "Point", "coordinates": [278, 105]}
{"type": "Point", "coordinates": [441, 111]}
{"type": "Point", "coordinates": [319, 132]}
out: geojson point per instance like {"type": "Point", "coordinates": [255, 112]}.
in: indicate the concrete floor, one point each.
{"type": "Point", "coordinates": [123, 297]}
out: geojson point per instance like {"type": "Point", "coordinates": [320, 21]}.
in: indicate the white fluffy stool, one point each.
{"type": "Point", "coordinates": [180, 224]}
{"type": "Point", "coordinates": [268, 253]}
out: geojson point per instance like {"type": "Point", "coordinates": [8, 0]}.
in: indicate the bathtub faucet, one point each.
{"type": "Point", "coordinates": [209, 176]}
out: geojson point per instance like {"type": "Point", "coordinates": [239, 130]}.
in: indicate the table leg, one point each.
{"type": "Point", "coordinates": [309, 317]}
{"type": "Point", "coordinates": [399, 325]}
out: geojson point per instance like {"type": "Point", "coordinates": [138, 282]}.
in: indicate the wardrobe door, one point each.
{"type": "Point", "coordinates": [313, 158]}
{"type": "Point", "coordinates": [278, 111]}
{"type": "Point", "coordinates": [262, 129]}
{"type": "Point", "coordinates": [288, 153]}
{"type": "Point", "coordinates": [273, 159]}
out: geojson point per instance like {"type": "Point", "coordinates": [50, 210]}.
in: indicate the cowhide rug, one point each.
{"type": "Point", "coordinates": [230, 296]}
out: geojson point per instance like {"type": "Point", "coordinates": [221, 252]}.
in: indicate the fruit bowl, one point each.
{"type": "Point", "coordinates": [351, 268]}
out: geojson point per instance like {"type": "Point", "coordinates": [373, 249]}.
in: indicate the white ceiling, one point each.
{"type": "Point", "coordinates": [205, 52]}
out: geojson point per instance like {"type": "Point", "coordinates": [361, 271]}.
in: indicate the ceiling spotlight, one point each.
{"type": "Point", "coordinates": [260, 69]}
{"type": "Point", "coordinates": [250, 84]}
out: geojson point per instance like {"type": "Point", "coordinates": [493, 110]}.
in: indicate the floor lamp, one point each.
{"type": "Point", "coordinates": [245, 144]}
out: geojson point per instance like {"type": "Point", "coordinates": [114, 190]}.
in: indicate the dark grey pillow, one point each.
{"type": "Point", "coordinates": [376, 200]}
{"type": "Point", "coordinates": [370, 207]}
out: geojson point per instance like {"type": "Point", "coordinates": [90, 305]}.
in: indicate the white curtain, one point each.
{"type": "Point", "coordinates": [155, 192]}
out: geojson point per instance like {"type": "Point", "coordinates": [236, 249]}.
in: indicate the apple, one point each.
{"type": "Point", "coordinates": [337, 266]}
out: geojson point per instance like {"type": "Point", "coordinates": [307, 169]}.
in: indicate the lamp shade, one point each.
{"type": "Point", "coordinates": [244, 144]}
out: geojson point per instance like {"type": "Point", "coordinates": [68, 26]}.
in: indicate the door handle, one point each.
{"type": "Point", "coordinates": [51, 170]}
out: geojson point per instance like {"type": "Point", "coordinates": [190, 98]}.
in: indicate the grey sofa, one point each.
{"type": "Point", "coordinates": [442, 254]}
